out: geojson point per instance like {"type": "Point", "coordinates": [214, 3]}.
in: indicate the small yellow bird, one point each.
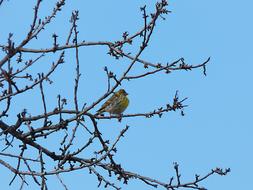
{"type": "Point", "coordinates": [116, 104]}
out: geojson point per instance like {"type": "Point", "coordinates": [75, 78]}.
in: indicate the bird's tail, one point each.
{"type": "Point", "coordinates": [101, 110]}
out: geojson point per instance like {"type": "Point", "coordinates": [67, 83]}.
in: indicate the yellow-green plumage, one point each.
{"type": "Point", "coordinates": [116, 104]}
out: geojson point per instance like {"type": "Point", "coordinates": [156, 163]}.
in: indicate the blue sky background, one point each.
{"type": "Point", "coordinates": [217, 128]}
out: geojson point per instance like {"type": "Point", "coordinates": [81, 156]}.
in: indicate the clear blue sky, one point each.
{"type": "Point", "coordinates": [217, 128]}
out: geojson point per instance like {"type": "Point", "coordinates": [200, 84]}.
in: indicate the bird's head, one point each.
{"type": "Point", "coordinates": [123, 92]}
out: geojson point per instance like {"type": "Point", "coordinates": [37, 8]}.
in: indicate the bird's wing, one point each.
{"type": "Point", "coordinates": [108, 102]}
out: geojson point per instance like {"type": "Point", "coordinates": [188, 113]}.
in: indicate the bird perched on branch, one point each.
{"type": "Point", "coordinates": [116, 104]}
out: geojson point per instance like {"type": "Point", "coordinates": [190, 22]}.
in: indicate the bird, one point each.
{"type": "Point", "coordinates": [116, 104]}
